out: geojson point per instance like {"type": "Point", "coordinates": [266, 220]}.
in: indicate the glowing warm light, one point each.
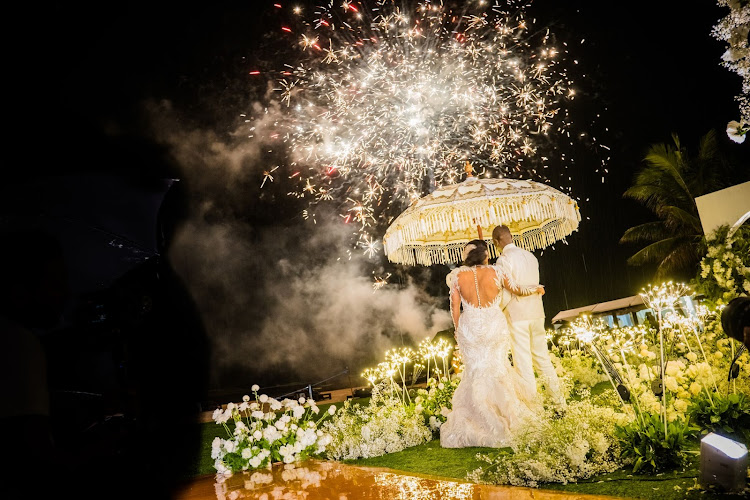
{"type": "Point", "coordinates": [380, 281]}
{"type": "Point", "coordinates": [663, 296]}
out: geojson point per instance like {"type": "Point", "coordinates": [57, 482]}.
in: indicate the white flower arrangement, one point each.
{"type": "Point", "coordinates": [435, 402]}
{"type": "Point", "coordinates": [385, 425]}
{"type": "Point", "coordinates": [579, 367]}
{"type": "Point", "coordinates": [575, 446]}
{"type": "Point", "coordinates": [265, 431]}
{"type": "Point", "coordinates": [725, 270]}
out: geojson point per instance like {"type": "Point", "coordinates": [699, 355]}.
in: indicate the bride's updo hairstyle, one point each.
{"type": "Point", "coordinates": [475, 252]}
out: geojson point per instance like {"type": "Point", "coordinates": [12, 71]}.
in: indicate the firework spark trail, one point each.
{"type": "Point", "coordinates": [386, 104]}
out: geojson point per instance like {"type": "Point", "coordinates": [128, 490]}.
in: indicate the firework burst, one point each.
{"type": "Point", "coordinates": [385, 103]}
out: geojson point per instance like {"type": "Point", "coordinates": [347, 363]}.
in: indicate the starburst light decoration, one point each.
{"type": "Point", "coordinates": [387, 100]}
{"type": "Point", "coordinates": [663, 296]}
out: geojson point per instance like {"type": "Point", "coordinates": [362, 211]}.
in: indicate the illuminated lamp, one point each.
{"type": "Point", "coordinates": [723, 462]}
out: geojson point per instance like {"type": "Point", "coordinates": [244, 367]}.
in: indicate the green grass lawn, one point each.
{"type": "Point", "coordinates": [431, 459]}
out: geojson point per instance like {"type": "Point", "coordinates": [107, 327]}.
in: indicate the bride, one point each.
{"type": "Point", "coordinates": [491, 401]}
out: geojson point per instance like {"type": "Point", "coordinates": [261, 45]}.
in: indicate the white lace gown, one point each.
{"type": "Point", "coordinates": [491, 402]}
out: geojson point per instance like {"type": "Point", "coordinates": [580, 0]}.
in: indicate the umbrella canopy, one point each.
{"type": "Point", "coordinates": [436, 227]}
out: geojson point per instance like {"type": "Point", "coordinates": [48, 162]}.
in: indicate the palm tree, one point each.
{"type": "Point", "coordinates": [667, 185]}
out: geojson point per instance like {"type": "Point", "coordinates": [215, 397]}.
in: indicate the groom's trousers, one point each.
{"type": "Point", "coordinates": [529, 348]}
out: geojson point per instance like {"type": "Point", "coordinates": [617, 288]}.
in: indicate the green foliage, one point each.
{"type": "Point", "coordinates": [728, 415]}
{"type": "Point", "coordinates": [643, 441]}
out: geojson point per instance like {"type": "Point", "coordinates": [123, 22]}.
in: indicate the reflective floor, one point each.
{"type": "Point", "coordinates": [317, 480]}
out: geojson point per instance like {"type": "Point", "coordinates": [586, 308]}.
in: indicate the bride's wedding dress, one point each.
{"type": "Point", "coordinates": [491, 402]}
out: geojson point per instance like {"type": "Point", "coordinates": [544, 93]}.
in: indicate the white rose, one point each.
{"type": "Point", "coordinates": [331, 410]}
{"type": "Point", "coordinates": [671, 368]}
{"type": "Point", "coordinates": [247, 453]}
{"type": "Point", "coordinates": [681, 405]}
{"type": "Point", "coordinates": [671, 384]}
{"type": "Point", "coordinates": [257, 435]}
{"type": "Point", "coordinates": [263, 398]}
{"type": "Point", "coordinates": [735, 130]}
{"type": "Point", "coordinates": [255, 388]}
{"type": "Point", "coordinates": [695, 388]}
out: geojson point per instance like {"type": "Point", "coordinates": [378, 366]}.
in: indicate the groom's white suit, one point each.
{"type": "Point", "coordinates": [526, 320]}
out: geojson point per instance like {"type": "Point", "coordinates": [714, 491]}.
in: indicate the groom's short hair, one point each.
{"type": "Point", "coordinates": [499, 232]}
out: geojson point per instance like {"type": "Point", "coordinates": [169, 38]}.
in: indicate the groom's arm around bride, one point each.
{"type": "Point", "coordinates": [526, 317]}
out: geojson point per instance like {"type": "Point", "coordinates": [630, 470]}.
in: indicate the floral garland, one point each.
{"type": "Point", "coordinates": [733, 29]}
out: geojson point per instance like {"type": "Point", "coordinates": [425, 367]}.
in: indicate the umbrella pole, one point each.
{"type": "Point", "coordinates": [479, 230]}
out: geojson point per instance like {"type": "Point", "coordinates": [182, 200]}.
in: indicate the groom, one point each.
{"type": "Point", "coordinates": [526, 317]}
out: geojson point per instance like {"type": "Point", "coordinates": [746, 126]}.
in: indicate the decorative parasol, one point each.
{"type": "Point", "coordinates": [436, 227]}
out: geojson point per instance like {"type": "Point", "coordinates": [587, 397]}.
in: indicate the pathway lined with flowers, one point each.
{"type": "Point", "coordinates": [321, 479]}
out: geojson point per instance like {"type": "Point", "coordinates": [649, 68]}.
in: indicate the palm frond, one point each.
{"type": "Point", "coordinates": [683, 258]}
{"type": "Point", "coordinates": [655, 252]}
{"type": "Point", "coordinates": [679, 219]}
{"type": "Point", "coordinates": [670, 161]}
{"type": "Point", "coordinates": [650, 231]}
{"type": "Point", "coordinates": [708, 148]}
{"type": "Point", "coordinates": [667, 184]}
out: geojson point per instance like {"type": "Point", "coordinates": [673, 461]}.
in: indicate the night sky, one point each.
{"type": "Point", "coordinates": [94, 91]}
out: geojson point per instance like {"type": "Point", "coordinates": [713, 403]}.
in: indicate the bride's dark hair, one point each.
{"type": "Point", "coordinates": [477, 254]}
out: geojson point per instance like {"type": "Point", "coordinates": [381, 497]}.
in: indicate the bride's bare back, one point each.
{"type": "Point", "coordinates": [489, 284]}
{"type": "Point", "coordinates": [486, 283]}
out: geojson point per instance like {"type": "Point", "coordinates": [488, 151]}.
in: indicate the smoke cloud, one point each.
{"type": "Point", "coordinates": [282, 299]}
